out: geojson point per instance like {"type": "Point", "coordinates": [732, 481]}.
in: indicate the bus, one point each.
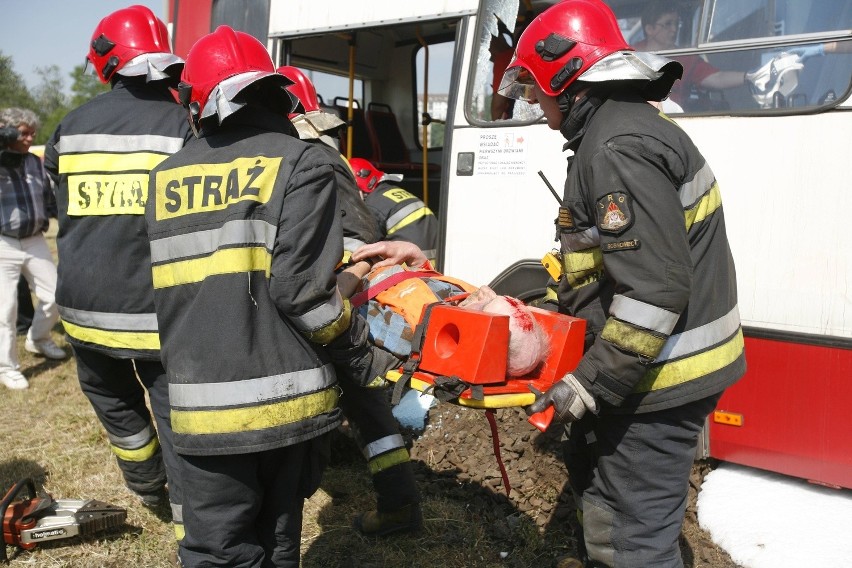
{"type": "Point", "coordinates": [415, 83]}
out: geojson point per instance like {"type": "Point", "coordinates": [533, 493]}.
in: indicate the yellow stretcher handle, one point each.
{"type": "Point", "coordinates": [490, 401]}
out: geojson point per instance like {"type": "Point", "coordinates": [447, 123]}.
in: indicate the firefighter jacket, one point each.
{"type": "Point", "coordinates": [404, 217]}
{"type": "Point", "coordinates": [99, 158]}
{"type": "Point", "coordinates": [359, 225]}
{"type": "Point", "coordinates": [244, 241]}
{"type": "Point", "coordinates": [646, 260]}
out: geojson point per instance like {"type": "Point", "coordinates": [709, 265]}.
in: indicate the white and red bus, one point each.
{"type": "Point", "coordinates": [780, 155]}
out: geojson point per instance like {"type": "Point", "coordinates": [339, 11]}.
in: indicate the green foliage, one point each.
{"type": "Point", "coordinates": [13, 90]}
{"type": "Point", "coordinates": [85, 87]}
{"type": "Point", "coordinates": [48, 98]}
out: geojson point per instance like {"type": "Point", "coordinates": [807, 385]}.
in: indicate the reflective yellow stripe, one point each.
{"type": "Point", "coordinates": [146, 452]}
{"type": "Point", "coordinates": [507, 400]}
{"type": "Point", "coordinates": [225, 261]}
{"type": "Point", "coordinates": [253, 418]}
{"type": "Point", "coordinates": [683, 370]}
{"type": "Point", "coordinates": [114, 339]}
{"type": "Point", "coordinates": [633, 339]}
{"type": "Point", "coordinates": [705, 206]}
{"type": "Point", "coordinates": [388, 460]}
{"type": "Point", "coordinates": [409, 219]}
{"type": "Point", "coordinates": [328, 333]}
{"type": "Point", "coordinates": [98, 162]}
{"type": "Point", "coordinates": [580, 266]}
{"type": "Point", "coordinates": [180, 532]}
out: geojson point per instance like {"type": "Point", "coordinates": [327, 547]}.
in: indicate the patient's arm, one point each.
{"type": "Point", "coordinates": [350, 278]}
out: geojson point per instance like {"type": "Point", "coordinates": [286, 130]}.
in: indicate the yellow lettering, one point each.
{"type": "Point", "coordinates": [212, 187]}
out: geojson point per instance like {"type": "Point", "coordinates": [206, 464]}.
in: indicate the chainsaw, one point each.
{"type": "Point", "coordinates": [29, 521]}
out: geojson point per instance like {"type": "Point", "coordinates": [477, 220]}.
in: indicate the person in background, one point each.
{"type": "Point", "coordinates": [402, 216]}
{"type": "Point", "coordinates": [26, 205]}
{"type": "Point", "coordinates": [99, 157]}
{"type": "Point", "coordinates": [660, 22]}
{"type": "Point", "coordinates": [26, 310]}
{"type": "Point", "coordinates": [320, 128]}
{"type": "Point", "coordinates": [646, 262]}
{"type": "Point", "coordinates": [245, 235]}
{"type": "Point", "coordinates": [367, 411]}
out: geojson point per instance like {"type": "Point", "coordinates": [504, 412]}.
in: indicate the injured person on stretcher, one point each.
{"type": "Point", "coordinates": [392, 293]}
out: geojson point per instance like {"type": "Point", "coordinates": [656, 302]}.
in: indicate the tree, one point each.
{"type": "Point", "coordinates": [85, 87]}
{"type": "Point", "coordinates": [13, 90]}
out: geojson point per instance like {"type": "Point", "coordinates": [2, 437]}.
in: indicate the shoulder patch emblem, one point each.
{"type": "Point", "coordinates": [565, 219]}
{"type": "Point", "coordinates": [614, 212]}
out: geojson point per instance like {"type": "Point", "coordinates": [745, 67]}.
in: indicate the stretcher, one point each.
{"type": "Point", "coordinates": [460, 356]}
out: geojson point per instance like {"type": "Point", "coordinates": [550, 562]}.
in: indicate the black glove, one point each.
{"type": "Point", "coordinates": [8, 136]}
{"type": "Point", "coordinates": [356, 358]}
{"type": "Point", "coordinates": [569, 398]}
{"type": "Point", "coordinates": [383, 361]}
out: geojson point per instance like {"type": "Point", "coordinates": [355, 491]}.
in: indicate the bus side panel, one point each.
{"type": "Point", "coordinates": [189, 21]}
{"type": "Point", "coordinates": [796, 420]}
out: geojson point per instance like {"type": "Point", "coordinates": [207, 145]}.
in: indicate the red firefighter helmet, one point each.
{"type": "Point", "coordinates": [561, 44]}
{"type": "Point", "coordinates": [302, 89]}
{"type": "Point", "coordinates": [126, 34]}
{"type": "Point", "coordinates": [218, 67]}
{"type": "Point", "coordinates": [366, 174]}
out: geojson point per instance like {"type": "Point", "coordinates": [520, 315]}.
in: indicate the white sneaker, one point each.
{"type": "Point", "coordinates": [45, 347]}
{"type": "Point", "coordinates": [14, 380]}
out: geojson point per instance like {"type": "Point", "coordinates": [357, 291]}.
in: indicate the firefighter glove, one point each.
{"type": "Point", "coordinates": [569, 398]}
{"type": "Point", "coordinates": [383, 361]}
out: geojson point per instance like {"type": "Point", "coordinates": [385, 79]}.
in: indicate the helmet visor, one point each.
{"type": "Point", "coordinates": [518, 84]}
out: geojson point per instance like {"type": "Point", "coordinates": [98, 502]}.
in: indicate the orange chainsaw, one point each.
{"type": "Point", "coordinates": [29, 521]}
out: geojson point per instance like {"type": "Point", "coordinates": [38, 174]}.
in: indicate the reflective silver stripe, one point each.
{"type": "Point", "coordinates": [177, 513]}
{"type": "Point", "coordinates": [643, 314]}
{"type": "Point", "coordinates": [134, 441]}
{"type": "Point", "coordinates": [383, 446]}
{"type": "Point", "coordinates": [431, 254]}
{"type": "Point", "coordinates": [580, 241]}
{"type": "Point", "coordinates": [118, 143]}
{"type": "Point", "coordinates": [351, 244]}
{"type": "Point", "coordinates": [403, 213]}
{"type": "Point", "coordinates": [107, 320]}
{"type": "Point", "coordinates": [201, 243]}
{"type": "Point", "coordinates": [701, 337]}
{"type": "Point", "coordinates": [691, 191]}
{"type": "Point", "coordinates": [251, 391]}
{"type": "Point", "coordinates": [322, 315]}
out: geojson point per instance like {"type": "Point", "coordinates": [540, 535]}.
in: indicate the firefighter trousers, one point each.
{"type": "Point", "coordinates": [245, 510]}
{"type": "Point", "coordinates": [378, 436]}
{"type": "Point", "coordinates": [145, 454]}
{"type": "Point", "coordinates": [629, 474]}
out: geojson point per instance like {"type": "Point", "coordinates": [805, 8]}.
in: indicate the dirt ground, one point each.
{"type": "Point", "coordinates": [456, 449]}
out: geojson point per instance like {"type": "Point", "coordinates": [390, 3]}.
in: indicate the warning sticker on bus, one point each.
{"type": "Point", "coordinates": [501, 154]}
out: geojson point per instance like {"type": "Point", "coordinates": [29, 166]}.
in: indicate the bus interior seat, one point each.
{"type": "Point", "coordinates": [362, 146]}
{"type": "Point", "coordinates": [389, 148]}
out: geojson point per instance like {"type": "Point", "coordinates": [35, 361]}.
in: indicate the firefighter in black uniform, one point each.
{"type": "Point", "coordinates": [99, 158]}
{"type": "Point", "coordinates": [401, 214]}
{"type": "Point", "coordinates": [320, 128]}
{"type": "Point", "coordinates": [367, 410]}
{"type": "Point", "coordinates": [245, 238]}
{"type": "Point", "coordinates": [646, 263]}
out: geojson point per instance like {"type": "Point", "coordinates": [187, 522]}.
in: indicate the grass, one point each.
{"type": "Point", "coordinates": [51, 434]}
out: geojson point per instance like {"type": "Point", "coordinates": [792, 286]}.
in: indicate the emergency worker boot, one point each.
{"type": "Point", "coordinates": [378, 523]}
{"type": "Point", "coordinates": [568, 561]}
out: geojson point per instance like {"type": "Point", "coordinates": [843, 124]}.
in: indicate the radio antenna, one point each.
{"type": "Point", "coordinates": [550, 187]}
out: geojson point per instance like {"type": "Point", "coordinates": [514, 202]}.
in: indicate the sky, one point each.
{"type": "Point", "coordinates": [40, 33]}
